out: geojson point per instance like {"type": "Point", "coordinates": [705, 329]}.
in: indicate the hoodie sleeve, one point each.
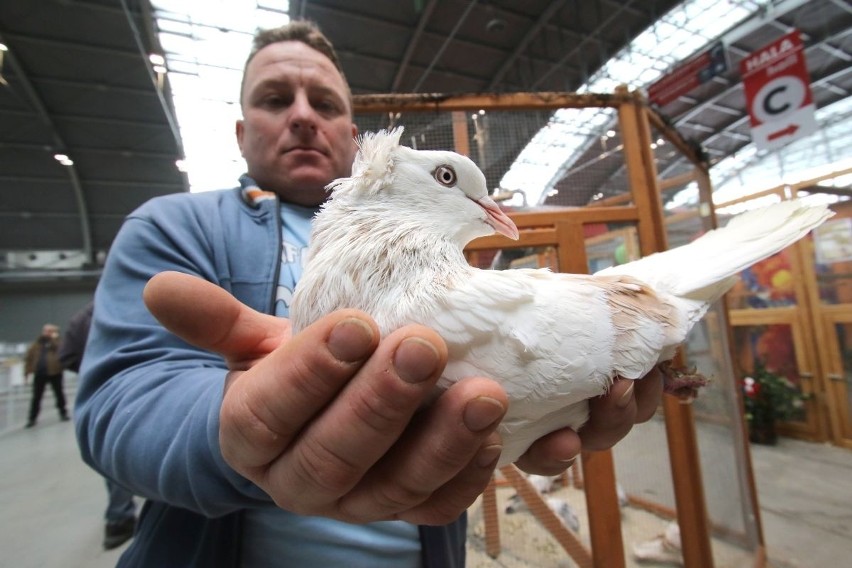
{"type": "Point", "coordinates": [147, 410]}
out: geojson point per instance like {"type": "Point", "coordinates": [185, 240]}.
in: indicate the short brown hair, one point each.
{"type": "Point", "coordinates": [303, 31]}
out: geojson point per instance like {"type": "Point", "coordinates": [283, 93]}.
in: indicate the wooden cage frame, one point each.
{"type": "Point", "coordinates": [563, 230]}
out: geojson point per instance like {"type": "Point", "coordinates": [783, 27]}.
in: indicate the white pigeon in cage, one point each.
{"type": "Point", "coordinates": [390, 242]}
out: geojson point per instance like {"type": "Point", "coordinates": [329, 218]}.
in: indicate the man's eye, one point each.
{"type": "Point", "coordinates": [325, 106]}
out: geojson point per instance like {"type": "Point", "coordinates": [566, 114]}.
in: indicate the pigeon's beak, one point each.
{"type": "Point", "coordinates": [497, 219]}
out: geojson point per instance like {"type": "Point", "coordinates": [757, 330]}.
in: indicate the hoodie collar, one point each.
{"type": "Point", "coordinates": [252, 194]}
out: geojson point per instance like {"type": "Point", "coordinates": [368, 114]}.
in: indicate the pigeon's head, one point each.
{"type": "Point", "coordinates": [440, 190]}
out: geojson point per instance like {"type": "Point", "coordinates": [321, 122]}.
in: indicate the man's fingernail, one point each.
{"type": "Point", "coordinates": [350, 340]}
{"type": "Point", "coordinates": [488, 455]}
{"type": "Point", "coordinates": [415, 360]}
{"type": "Point", "coordinates": [626, 397]}
{"type": "Point", "coordinates": [482, 412]}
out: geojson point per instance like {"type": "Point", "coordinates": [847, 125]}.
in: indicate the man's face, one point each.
{"type": "Point", "coordinates": [296, 134]}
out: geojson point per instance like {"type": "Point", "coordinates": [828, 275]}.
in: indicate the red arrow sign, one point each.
{"type": "Point", "coordinates": [789, 131]}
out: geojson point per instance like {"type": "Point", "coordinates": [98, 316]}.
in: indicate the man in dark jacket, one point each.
{"type": "Point", "coordinates": [42, 363]}
{"type": "Point", "coordinates": [121, 510]}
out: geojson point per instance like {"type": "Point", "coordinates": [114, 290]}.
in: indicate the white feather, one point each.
{"type": "Point", "coordinates": [390, 241]}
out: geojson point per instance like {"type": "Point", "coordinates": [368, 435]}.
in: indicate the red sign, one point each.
{"type": "Point", "coordinates": [694, 72]}
{"type": "Point", "coordinates": [778, 94]}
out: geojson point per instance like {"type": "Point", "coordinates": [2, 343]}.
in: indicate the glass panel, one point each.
{"type": "Point", "coordinates": [526, 257]}
{"type": "Point", "coordinates": [772, 347]}
{"type": "Point", "coordinates": [643, 462]}
{"type": "Point", "coordinates": [833, 254]}
{"type": "Point", "coordinates": [610, 245]}
{"type": "Point", "coordinates": [767, 284]}
{"type": "Point", "coordinates": [844, 344]}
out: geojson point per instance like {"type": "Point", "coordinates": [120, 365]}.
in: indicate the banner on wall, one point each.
{"type": "Point", "coordinates": [778, 93]}
{"type": "Point", "coordinates": [683, 79]}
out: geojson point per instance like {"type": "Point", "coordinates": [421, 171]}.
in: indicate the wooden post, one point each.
{"type": "Point", "coordinates": [461, 140]}
{"type": "Point", "coordinates": [598, 467]}
{"type": "Point", "coordinates": [680, 422]}
{"type": "Point", "coordinates": [491, 518]}
{"type": "Point", "coordinates": [551, 522]}
{"type": "Point", "coordinates": [691, 505]}
{"type": "Point", "coordinates": [603, 509]}
{"type": "Point", "coordinates": [642, 175]}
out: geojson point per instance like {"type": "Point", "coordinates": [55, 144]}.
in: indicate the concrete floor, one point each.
{"type": "Point", "coordinates": [51, 504]}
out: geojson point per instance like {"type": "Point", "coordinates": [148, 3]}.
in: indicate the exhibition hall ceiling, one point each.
{"type": "Point", "coordinates": [93, 126]}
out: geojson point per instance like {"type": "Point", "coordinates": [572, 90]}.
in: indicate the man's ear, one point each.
{"type": "Point", "coordinates": [239, 131]}
{"type": "Point", "coordinates": [354, 130]}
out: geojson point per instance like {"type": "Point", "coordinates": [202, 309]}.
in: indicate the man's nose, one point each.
{"type": "Point", "coordinates": [302, 114]}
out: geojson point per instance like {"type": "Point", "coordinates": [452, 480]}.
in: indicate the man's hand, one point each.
{"type": "Point", "coordinates": [611, 417]}
{"type": "Point", "coordinates": [332, 421]}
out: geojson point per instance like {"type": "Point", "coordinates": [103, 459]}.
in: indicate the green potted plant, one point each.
{"type": "Point", "coordinates": [768, 397]}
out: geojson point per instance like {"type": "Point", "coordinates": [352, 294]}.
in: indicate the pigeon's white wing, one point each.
{"type": "Point", "coordinates": [471, 312]}
{"type": "Point", "coordinates": [552, 340]}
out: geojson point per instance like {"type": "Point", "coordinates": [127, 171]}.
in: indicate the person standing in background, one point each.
{"type": "Point", "coordinates": [120, 513]}
{"type": "Point", "coordinates": [42, 363]}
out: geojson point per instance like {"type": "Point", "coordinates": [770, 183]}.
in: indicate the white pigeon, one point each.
{"type": "Point", "coordinates": [389, 241]}
{"type": "Point", "coordinates": [560, 506]}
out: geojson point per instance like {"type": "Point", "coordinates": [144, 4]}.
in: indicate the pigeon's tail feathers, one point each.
{"type": "Point", "coordinates": [706, 268]}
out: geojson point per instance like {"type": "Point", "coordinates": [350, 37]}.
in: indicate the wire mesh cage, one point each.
{"type": "Point", "coordinates": [679, 486]}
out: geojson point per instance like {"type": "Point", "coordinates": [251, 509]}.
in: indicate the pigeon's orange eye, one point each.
{"type": "Point", "coordinates": [445, 175]}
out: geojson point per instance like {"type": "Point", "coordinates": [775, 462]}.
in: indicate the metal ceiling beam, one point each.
{"type": "Point", "coordinates": [33, 96]}
{"type": "Point", "coordinates": [60, 44]}
{"type": "Point", "coordinates": [158, 86]}
{"type": "Point", "coordinates": [93, 182]}
{"type": "Point", "coordinates": [735, 86]}
{"type": "Point", "coordinates": [55, 215]}
{"type": "Point", "coordinates": [608, 21]}
{"type": "Point", "coordinates": [371, 21]}
{"type": "Point", "coordinates": [742, 119]}
{"type": "Point", "coordinates": [94, 119]}
{"type": "Point", "coordinates": [90, 85]}
{"type": "Point", "coordinates": [728, 129]}
{"type": "Point", "coordinates": [49, 275]}
{"type": "Point", "coordinates": [412, 44]}
{"type": "Point", "coordinates": [531, 34]}
{"type": "Point", "coordinates": [842, 5]}
{"type": "Point", "coordinates": [393, 61]}
{"type": "Point", "coordinates": [471, 5]}
{"type": "Point", "coordinates": [124, 152]}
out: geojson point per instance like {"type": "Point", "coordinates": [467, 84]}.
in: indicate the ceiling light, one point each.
{"type": "Point", "coordinates": [495, 25]}
{"type": "Point", "coordinates": [3, 47]}
{"type": "Point", "coordinates": [60, 157]}
{"type": "Point", "coordinates": [156, 59]}
{"type": "Point", "coordinates": [160, 69]}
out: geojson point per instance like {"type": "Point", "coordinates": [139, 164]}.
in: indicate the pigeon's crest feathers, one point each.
{"type": "Point", "coordinates": [374, 164]}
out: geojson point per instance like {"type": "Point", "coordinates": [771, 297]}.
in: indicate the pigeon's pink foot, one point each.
{"type": "Point", "coordinates": [682, 382]}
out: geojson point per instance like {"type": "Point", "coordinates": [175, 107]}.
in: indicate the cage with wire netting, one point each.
{"type": "Point", "coordinates": [589, 181]}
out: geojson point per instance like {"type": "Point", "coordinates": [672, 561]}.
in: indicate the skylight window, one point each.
{"type": "Point", "coordinates": [206, 43]}
{"type": "Point", "coordinates": [675, 37]}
